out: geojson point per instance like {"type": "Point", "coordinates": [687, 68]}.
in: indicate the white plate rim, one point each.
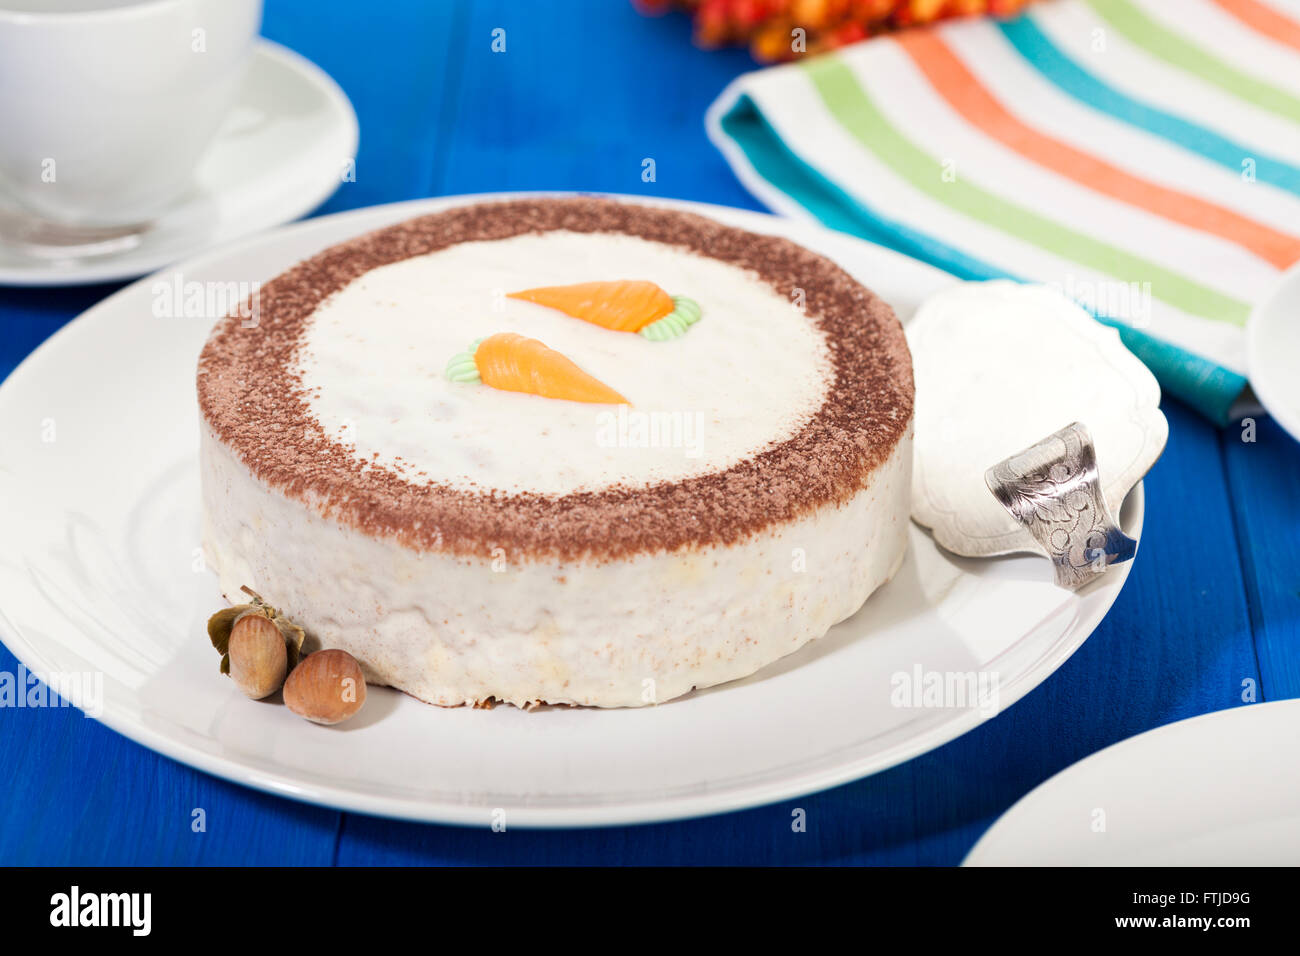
{"type": "Point", "coordinates": [984, 852]}
{"type": "Point", "coordinates": [678, 807]}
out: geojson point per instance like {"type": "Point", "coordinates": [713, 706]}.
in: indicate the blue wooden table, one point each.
{"type": "Point", "coordinates": [584, 92]}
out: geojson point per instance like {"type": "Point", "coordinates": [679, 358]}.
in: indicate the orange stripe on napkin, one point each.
{"type": "Point", "coordinates": [1264, 20]}
{"type": "Point", "coordinates": [950, 77]}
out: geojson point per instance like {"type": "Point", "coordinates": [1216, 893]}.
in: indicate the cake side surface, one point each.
{"type": "Point", "coordinates": [462, 629]}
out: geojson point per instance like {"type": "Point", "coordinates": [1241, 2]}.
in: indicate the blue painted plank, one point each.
{"type": "Point", "coordinates": [76, 793]}
{"type": "Point", "coordinates": [1263, 471]}
{"type": "Point", "coordinates": [30, 316]}
{"type": "Point", "coordinates": [581, 99]}
{"type": "Point", "coordinates": [395, 61]}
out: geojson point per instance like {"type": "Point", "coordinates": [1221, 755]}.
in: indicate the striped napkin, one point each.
{"type": "Point", "coordinates": [1141, 155]}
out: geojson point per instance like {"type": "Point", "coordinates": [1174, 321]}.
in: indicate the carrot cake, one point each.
{"type": "Point", "coordinates": [559, 450]}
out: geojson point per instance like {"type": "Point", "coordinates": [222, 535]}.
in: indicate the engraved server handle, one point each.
{"type": "Point", "coordinates": [1052, 489]}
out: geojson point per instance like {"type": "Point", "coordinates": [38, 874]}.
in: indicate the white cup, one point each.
{"type": "Point", "coordinates": [106, 106]}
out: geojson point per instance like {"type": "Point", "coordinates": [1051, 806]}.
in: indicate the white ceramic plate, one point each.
{"type": "Point", "coordinates": [99, 572]}
{"type": "Point", "coordinates": [1222, 789]}
{"type": "Point", "coordinates": [1273, 352]}
{"type": "Point", "coordinates": [281, 153]}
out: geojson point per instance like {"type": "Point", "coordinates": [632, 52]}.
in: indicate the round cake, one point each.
{"type": "Point", "coordinates": [563, 451]}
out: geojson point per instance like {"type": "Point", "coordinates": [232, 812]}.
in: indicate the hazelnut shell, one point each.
{"type": "Point", "coordinates": [326, 688]}
{"type": "Point", "coordinates": [259, 659]}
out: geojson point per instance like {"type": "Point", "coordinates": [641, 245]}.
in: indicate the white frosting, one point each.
{"type": "Point", "coordinates": [748, 375]}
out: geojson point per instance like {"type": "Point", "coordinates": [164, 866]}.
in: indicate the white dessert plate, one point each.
{"type": "Point", "coordinates": [283, 150]}
{"type": "Point", "coordinates": [1221, 789]}
{"type": "Point", "coordinates": [1273, 351]}
{"type": "Point", "coordinates": [101, 571]}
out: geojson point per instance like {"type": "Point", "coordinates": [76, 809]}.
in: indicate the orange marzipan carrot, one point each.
{"type": "Point", "coordinates": [623, 305]}
{"type": "Point", "coordinates": [517, 363]}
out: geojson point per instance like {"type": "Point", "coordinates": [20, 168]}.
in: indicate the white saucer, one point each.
{"type": "Point", "coordinates": [1273, 352]}
{"type": "Point", "coordinates": [1222, 789]}
{"type": "Point", "coordinates": [281, 153]}
{"type": "Point", "coordinates": [100, 573]}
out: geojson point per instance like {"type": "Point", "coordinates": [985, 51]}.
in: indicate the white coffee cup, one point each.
{"type": "Point", "coordinates": [106, 106]}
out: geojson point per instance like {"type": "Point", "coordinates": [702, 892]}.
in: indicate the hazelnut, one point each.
{"type": "Point", "coordinates": [258, 657]}
{"type": "Point", "coordinates": [326, 688]}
